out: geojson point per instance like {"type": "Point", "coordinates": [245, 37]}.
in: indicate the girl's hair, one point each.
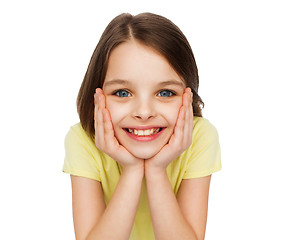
{"type": "Point", "coordinates": [151, 30]}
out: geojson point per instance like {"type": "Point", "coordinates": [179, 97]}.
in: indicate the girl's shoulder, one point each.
{"type": "Point", "coordinates": [81, 156]}
{"type": "Point", "coordinates": [202, 125]}
{"type": "Point", "coordinates": [76, 133]}
{"type": "Point", "coordinates": [203, 157]}
{"type": "Point", "coordinates": [204, 132]}
{"type": "Point", "coordinates": [78, 129]}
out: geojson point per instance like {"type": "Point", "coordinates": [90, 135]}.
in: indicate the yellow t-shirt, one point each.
{"type": "Point", "coordinates": [201, 159]}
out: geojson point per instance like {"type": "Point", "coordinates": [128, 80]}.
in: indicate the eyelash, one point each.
{"type": "Point", "coordinates": [117, 92]}
{"type": "Point", "coordinates": [167, 90]}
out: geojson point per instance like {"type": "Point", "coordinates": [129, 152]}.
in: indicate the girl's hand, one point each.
{"type": "Point", "coordinates": [181, 138]}
{"type": "Point", "coordinates": [105, 139]}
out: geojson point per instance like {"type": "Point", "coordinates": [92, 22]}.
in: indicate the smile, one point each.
{"type": "Point", "coordinates": [147, 132]}
{"type": "Point", "coordinates": [144, 135]}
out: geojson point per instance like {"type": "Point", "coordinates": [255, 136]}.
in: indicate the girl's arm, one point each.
{"type": "Point", "coordinates": [183, 218]}
{"type": "Point", "coordinates": [170, 219]}
{"type": "Point", "coordinates": [116, 220]}
{"type": "Point", "coordinates": [92, 220]}
{"type": "Point", "coordinates": [192, 198]}
{"type": "Point", "coordinates": [87, 203]}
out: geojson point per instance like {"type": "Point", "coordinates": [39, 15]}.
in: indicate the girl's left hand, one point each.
{"type": "Point", "coordinates": [181, 138]}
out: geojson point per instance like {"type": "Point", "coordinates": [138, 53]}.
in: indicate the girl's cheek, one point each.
{"type": "Point", "coordinates": [117, 111]}
{"type": "Point", "coordinates": [171, 112]}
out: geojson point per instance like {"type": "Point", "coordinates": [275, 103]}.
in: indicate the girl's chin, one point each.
{"type": "Point", "coordinates": [144, 154]}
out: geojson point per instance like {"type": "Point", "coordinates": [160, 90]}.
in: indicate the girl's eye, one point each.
{"type": "Point", "coordinates": [165, 93]}
{"type": "Point", "coordinates": [122, 93]}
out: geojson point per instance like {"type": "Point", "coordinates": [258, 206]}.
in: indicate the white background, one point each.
{"type": "Point", "coordinates": [240, 51]}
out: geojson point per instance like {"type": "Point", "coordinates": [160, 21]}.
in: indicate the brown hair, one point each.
{"type": "Point", "coordinates": [147, 28]}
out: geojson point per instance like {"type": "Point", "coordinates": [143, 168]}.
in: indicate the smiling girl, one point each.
{"type": "Point", "coordinates": [142, 156]}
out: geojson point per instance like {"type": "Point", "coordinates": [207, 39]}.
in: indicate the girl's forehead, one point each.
{"type": "Point", "coordinates": [135, 61]}
{"type": "Point", "coordinates": [145, 83]}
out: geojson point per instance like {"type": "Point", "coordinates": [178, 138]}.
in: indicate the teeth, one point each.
{"type": "Point", "coordinates": [141, 132]}
{"type": "Point", "coordinates": [147, 132]}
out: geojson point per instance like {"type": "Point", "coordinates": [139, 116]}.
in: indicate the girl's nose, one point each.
{"type": "Point", "coordinates": [144, 110]}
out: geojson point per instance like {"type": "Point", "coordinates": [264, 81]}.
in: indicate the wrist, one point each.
{"type": "Point", "coordinates": [137, 169]}
{"type": "Point", "coordinates": [153, 170]}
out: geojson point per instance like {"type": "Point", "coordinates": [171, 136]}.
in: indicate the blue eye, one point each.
{"type": "Point", "coordinates": [122, 93]}
{"type": "Point", "coordinates": [166, 93]}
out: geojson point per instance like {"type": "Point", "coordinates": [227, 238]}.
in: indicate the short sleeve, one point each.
{"type": "Point", "coordinates": [79, 154]}
{"type": "Point", "coordinates": [204, 155]}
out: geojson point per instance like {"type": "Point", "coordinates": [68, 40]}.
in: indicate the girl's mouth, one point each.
{"type": "Point", "coordinates": [139, 132]}
{"type": "Point", "coordinates": [144, 135]}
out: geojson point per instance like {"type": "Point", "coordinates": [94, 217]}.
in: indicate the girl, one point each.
{"type": "Point", "coordinates": [142, 156]}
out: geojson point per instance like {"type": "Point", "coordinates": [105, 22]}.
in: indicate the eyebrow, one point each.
{"type": "Point", "coordinates": [172, 82]}
{"type": "Point", "coordinates": [125, 82]}
{"type": "Point", "coordinates": [117, 81]}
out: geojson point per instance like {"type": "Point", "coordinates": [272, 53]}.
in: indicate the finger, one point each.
{"type": "Point", "coordinates": [191, 120]}
{"type": "Point", "coordinates": [185, 128]}
{"type": "Point", "coordinates": [188, 120]}
{"type": "Point", "coordinates": [108, 128]}
{"type": "Point", "coordinates": [101, 96]}
{"type": "Point", "coordinates": [96, 95]}
{"type": "Point", "coordinates": [99, 134]}
{"type": "Point", "coordinates": [95, 107]}
{"type": "Point", "coordinates": [185, 97]}
{"type": "Point", "coordinates": [191, 104]}
{"type": "Point", "coordinates": [95, 112]}
{"type": "Point", "coordinates": [179, 127]}
{"type": "Point", "coordinates": [180, 124]}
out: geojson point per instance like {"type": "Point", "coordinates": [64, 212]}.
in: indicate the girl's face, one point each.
{"type": "Point", "coordinates": [144, 95]}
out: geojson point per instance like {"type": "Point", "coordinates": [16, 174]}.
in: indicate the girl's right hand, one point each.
{"type": "Point", "coordinates": [105, 139]}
